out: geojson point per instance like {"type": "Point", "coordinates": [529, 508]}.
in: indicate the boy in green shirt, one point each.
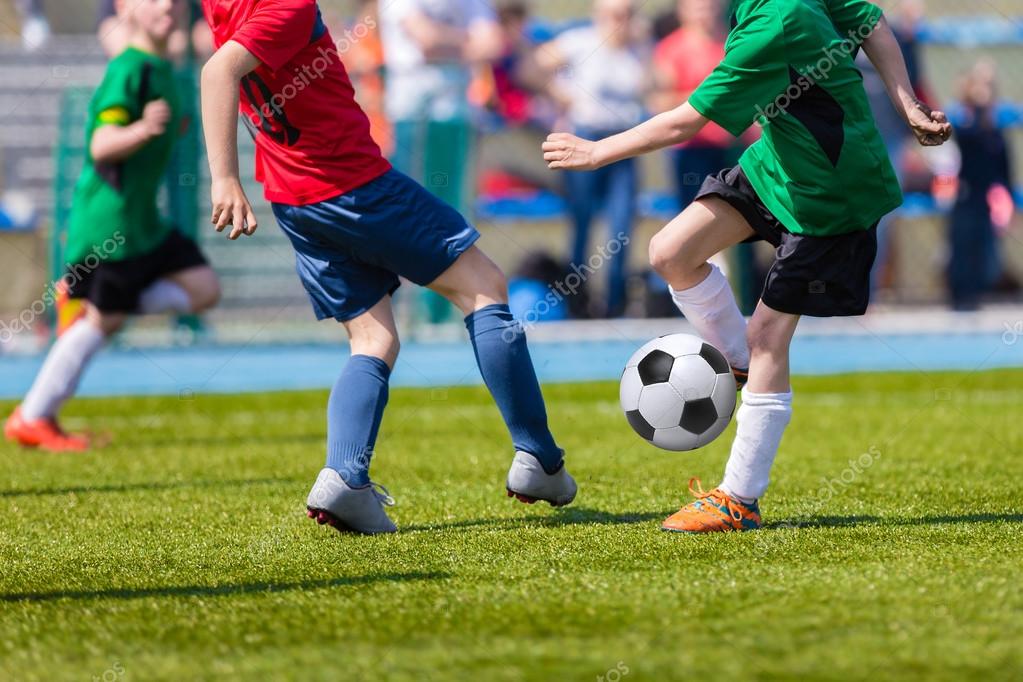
{"type": "Point", "coordinates": [123, 258]}
{"type": "Point", "coordinates": [814, 186]}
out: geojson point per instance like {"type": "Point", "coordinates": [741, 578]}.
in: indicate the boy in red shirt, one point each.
{"type": "Point", "coordinates": [356, 225]}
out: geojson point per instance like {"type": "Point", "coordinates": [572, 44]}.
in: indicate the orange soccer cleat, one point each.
{"type": "Point", "coordinates": [44, 434]}
{"type": "Point", "coordinates": [712, 512]}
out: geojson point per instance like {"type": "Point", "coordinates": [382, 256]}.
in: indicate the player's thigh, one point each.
{"type": "Point", "coordinates": [472, 282]}
{"type": "Point", "coordinates": [770, 331]}
{"type": "Point", "coordinates": [375, 333]}
{"type": "Point", "coordinates": [706, 227]}
{"type": "Point", "coordinates": [201, 284]}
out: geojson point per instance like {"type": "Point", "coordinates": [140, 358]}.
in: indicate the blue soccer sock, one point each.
{"type": "Point", "coordinates": [354, 412]}
{"type": "Point", "coordinates": [503, 358]}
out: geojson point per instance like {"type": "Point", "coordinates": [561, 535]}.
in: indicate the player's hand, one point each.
{"type": "Point", "coordinates": [931, 128]}
{"type": "Point", "coordinates": [231, 208]}
{"type": "Point", "coordinates": [155, 117]}
{"type": "Point", "coordinates": [562, 150]}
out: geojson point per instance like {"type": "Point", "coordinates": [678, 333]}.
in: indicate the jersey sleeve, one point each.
{"type": "Point", "coordinates": [748, 80]}
{"type": "Point", "coordinates": [855, 17]}
{"type": "Point", "coordinates": [116, 101]}
{"type": "Point", "coordinates": [278, 30]}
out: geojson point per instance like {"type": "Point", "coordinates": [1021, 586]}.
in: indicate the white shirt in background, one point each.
{"type": "Point", "coordinates": [417, 89]}
{"type": "Point", "coordinates": [606, 84]}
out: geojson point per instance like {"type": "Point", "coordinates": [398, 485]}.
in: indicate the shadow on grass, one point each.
{"type": "Point", "coordinates": [866, 520]}
{"type": "Point", "coordinates": [559, 517]}
{"type": "Point", "coordinates": [149, 485]}
{"type": "Point", "coordinates": [216, 591]}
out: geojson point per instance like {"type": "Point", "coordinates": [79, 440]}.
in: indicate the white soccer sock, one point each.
{"type": "Point", "coordinates": [710, 307]}
{"type": "Point", "coordinates": [762, 419]}
{"type": "Point", "coordinates": [58, 377]}
{"type": "Point", "coordinates": [164, 296]}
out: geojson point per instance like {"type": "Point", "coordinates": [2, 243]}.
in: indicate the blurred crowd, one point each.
{"type": "Point", "coordinates": [435, 76]}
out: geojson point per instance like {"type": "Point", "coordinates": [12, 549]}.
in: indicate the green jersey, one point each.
{"type": "Point", "coordinates": [114, 213]}
{"type": "Point", "coordinates": [820, 165]}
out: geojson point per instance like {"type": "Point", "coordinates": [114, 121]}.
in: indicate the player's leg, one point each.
{"type": "Point", "coordinates": [761, 420]}
{"type": "Point", "coordinates": [357, 401]}
{"type": "Point", "coordinates": [192, 290]}
{"type": "Point", "coordinates": [679, 253]}
{"type": "Point", "coordinates": [766, 405]}
{"type": "Point", "coordinates": [179, 279]}
{"type": "Point", "coordinates": [343, 495]}
{"type": "Point", "coordinates": [34, 423]}
{"type": "Point", "coordinates": [480, 290]}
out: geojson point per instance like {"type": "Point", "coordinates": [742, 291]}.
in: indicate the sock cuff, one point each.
{"type": "Point", "coordinates": [499, 310]}
{"type": "Point", "coordinates": [751, 399]}
{"type": "Point", "coordinates": [705, 290]}
{"type": "Point", "coordinates": [372, 363]}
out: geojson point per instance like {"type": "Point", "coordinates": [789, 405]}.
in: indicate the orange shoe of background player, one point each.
{"type": "Point", "coordinates": [44, 434]}
{"type": "Point", "coordinates": [713, 512]}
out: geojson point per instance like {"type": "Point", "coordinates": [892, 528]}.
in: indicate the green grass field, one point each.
{"type": "Point", "coordinates": [893, 551]}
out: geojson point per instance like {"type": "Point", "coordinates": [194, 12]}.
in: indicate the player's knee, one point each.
{"type": "Point", "coordinates": [207, 297]}
{"type": "Point", "coordinates": [108, 323]}
{"type": "Point", "coordinates": [494, 284]}
{"type": "Point", "coordinates": [378, 343]}
{"type": "Point", "coordinates": [668, 260]}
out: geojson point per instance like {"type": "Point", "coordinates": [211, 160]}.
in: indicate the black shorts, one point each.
{"type": "Point", "coordinates": [815, 276]}
{"type": "Point", "coordinates": [115, 286]}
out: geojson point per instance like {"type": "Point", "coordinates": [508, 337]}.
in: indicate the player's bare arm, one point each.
{"type": "Point", "coordinates": [568, 152]}
{"type": "Point", "coordinates": [113, 143]}
{"type": "Point", "coordinates": [221, 79]}
{"type": "Point", "coordinates": [931, 128]}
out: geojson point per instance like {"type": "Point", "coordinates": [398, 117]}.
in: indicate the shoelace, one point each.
{"type": "Point", "coordinates": [383, 495]}
{"type": "Point", "coordinates": [716, 495]}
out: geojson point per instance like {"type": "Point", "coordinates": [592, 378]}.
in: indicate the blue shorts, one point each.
{"type": "Point", "coordinates": [351, 250]}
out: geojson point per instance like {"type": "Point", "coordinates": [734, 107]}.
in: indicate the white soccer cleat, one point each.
{"type": "Point", "coordinates": [360, 510]}
{"type": "Point", "coordinates": [528, 482]}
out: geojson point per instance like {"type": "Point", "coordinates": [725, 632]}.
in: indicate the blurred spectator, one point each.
{"type": "Point", "coordinates": [601, 79]}
{"type": "Point", "coordinates": [681, 61]}
{"type": "Point", "coordinates": [514, 87]}
{"type": "Point", "coordinates": [430, 49]}
{"type": "Point", "coordinates": [974, 262]}
{"type": "Point", "coordinates": [113, 33]}
{"type": "Point", "coordinates": [35, 29]}
{"type": "Point", "coordinates": [364, 59]}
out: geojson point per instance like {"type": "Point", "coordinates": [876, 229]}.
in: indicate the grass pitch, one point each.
{"type": "Point", "coordinates": [894, 546]}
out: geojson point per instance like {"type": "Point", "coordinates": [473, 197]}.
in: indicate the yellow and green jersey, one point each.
{"type": "Point", "coordinates": [820, 165]}
{"type": "Point", "coordinates": [114, 214]}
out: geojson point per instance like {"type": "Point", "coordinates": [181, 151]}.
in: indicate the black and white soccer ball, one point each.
{"type": "Point", "coordinates": [678, 392]}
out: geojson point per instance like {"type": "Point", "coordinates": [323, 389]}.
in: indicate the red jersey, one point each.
{"type": "Point", "coordinates": [312, 138]}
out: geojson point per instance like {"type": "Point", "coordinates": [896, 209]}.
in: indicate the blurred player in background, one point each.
{"type": "Point", "coordinates": [356, 226]}
{"type": "Point", "coordinates": [123, 257]}
{"type": "Point", "coordinates": [191, 32]}
{"type": "Point", "coordinates": [600, 77]}
{"type": "Point", "coordinates": [814, 186]}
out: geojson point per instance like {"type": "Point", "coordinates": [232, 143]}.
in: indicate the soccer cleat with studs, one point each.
{"type": "Point", "coordinates": [529, 483]}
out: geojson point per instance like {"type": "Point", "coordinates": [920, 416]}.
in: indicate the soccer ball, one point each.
{"type": "Point", "coordinates": [678, 392]}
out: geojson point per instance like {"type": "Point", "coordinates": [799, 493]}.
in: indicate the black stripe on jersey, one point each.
{"type": "Point", "coordinates": [820, 114]}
